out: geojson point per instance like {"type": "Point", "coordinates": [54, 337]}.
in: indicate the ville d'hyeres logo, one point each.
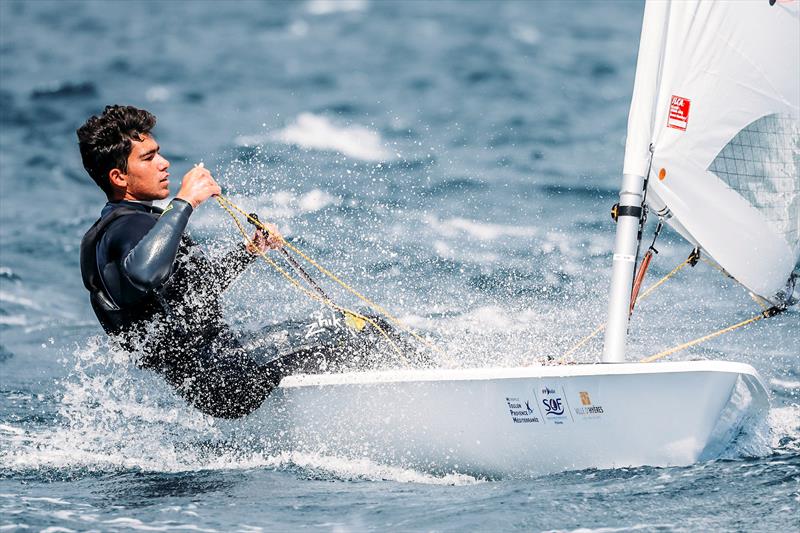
{"type": "Point", "coordinates": [588, 409]}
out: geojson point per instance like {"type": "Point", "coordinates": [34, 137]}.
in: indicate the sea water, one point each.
{"type": "Point", "coordinates": [454, 161]}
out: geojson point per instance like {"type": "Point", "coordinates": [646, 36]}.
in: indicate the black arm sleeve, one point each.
{"type": "Point", "coordinates": [228, 267]}
{"type": "Point", "coordinates": [150, 262]}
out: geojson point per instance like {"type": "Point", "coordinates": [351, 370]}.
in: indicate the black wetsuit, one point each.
{"type": "Point", "coordinates": [152, 287]}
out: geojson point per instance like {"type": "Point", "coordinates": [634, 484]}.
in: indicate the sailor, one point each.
{"type": "Point", "coordinates": [151, 286]}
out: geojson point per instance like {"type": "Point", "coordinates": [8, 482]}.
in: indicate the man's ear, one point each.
{"type": "Point", "coordinates": [118, 179]}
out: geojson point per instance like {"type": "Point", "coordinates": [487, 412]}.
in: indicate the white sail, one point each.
{"type": "Point", "coordinates": [717, 95]}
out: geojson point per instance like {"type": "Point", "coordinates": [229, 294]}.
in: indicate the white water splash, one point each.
{"type": "Point", "coordinates": [365, 469]}
{"type": "Point", "coordinates": [784, 425]}
{"type": "Point", "coordinates": [484, 231]}
{"type": "Point", "coordinates": [116, 417]}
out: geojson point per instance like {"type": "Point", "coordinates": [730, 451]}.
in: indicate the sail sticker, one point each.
{"type": "Point", "coordinates": [678, 113]}
{"type": "Point", "coordinates": [624, 257]}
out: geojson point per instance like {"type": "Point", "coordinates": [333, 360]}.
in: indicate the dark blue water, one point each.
{"type": "Point", "coordinates": [455, 161]}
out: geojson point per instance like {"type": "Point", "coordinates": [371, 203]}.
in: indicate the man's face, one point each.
{"type": "Point", "coordinates": [147, 176]}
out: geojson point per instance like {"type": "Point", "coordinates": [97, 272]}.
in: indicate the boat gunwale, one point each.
{"type": "Point", "coordinates": [525, 372]}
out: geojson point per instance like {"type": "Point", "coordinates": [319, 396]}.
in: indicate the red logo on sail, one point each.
{"type": "Point", "coordinates": [678, 113]}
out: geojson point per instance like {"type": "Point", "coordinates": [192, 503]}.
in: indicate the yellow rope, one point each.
{"type": "Point", "coordinates": [657, 284]}
{"type": "Point", "coordinates": [307, 292]}
{"type": "Point", "coordinates": [765, 313]}
{"type": "Point", "coordinates": [335, 278]}
{"type": "Point", "coordinates": [583, 341]}
{"type": "Point", "coordinates": [685, 345]}
{"type": "Point", "coordinates": [641, 297]}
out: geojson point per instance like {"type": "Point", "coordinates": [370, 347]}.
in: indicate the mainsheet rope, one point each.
{"type": "Point", "coordinates": [641, 297]}
{"type": "Point", "coordinates": [772, 311]}
{"type": "Point", "coordinates": [230, 207]}
{"type": "Point", "coordinates": [692, 259]}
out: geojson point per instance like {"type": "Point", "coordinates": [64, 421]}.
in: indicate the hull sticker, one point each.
{"type": "Point", "coordinates": [555, 406]}
{"type": "Point", "coordinates": [522, 411]}
{"type": "Point", "coordinates": [588, 410]}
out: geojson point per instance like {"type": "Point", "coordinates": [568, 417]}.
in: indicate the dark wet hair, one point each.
{"type": "Point", "coordinates": [105, 141]}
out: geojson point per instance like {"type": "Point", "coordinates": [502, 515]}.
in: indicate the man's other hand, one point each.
{"type": "Point", "coordinates": [198, 186]}
{"type": "Point", "coordinates": [263, 242]}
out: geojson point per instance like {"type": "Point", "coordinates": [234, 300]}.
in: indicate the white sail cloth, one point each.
{"type": "Point", "coordinates": [717, 95]}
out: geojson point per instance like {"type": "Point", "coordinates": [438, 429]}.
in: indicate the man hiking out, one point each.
{"type": "Point", "coordinates": [151, 286]}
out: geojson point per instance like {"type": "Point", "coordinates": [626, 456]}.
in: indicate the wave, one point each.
{"type": "Point", "coordinates": [327, 7]}
{"type": "Point", "coordinates": [13, 320]}
{"type": "Point", "coordinates": [785, 384]}
{"type": "Point", "coordinates": [56, 90]}
{"type": "Point", "coordinates": [19, 300]}
{"type": "Point", "coordinates": [7, 273]}
{"type": "Point", "coordinates": [526, 34]}
{"type": "Point", "coordinates": [316, 132]}
{"type": "Point", "coordinates": [158, 93]}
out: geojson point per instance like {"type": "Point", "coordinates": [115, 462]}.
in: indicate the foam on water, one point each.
{"type": "Point", "coordinates": [365, 469]}
{"type": "Point", "coordinates": [316, 132]}
{"type": "Point", "coordinates": [13, 320]}
{"type": "Point", "coordinates": [22, 301]}
{"type": "Point", "coordinates": [526, 33]}
{"type": "Point", "coordinates": [327, 7]}
{"type": "Point", "coordinates": [158, 93]}
{"type": "Point", "coordinates": [785, 383]}
{"type": "Point", "coordinates": [784, 424]}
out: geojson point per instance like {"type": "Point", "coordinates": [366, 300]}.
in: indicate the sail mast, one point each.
{"type": "Point", "coordinates": [629, 212]}
{"type": "Point", "coordinates": [637, 160]}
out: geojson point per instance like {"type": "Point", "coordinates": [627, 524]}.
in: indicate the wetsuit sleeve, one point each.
{"type": "Point", "coordinates": [228, 267]}
{"type": "Point", "coordinates": [150, 262]}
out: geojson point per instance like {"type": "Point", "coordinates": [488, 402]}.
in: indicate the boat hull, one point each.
{"type": "Point", "coordinates": [522, 421]}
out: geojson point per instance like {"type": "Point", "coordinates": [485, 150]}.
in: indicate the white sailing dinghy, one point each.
{"type": "Point", "coordinates": [717, 97]}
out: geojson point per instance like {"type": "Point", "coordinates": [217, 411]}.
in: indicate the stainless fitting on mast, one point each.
{"type": "Point", "coordinates": [628, 213]}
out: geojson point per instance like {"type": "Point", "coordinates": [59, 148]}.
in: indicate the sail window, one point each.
{"type": "Point", "coordinates": [762, 164]}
